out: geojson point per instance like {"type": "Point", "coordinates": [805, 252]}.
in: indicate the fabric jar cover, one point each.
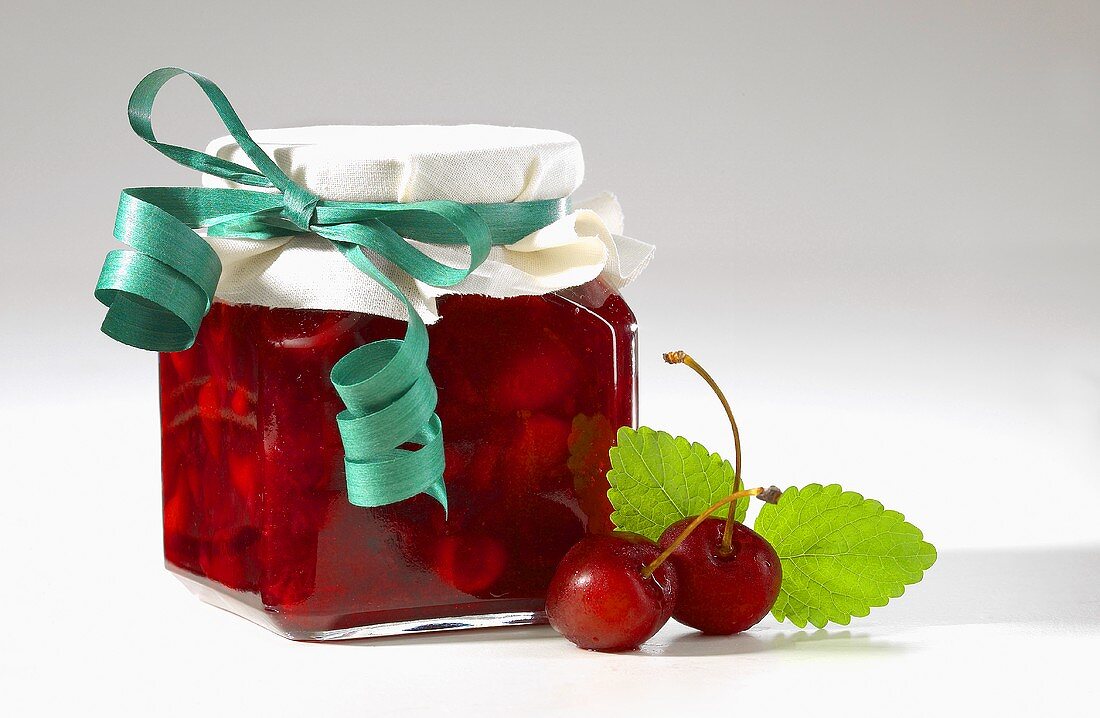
{"type": "Point", "coordinates": [462, 163]}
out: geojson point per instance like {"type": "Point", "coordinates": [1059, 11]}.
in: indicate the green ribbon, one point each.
{"type": "Point", "coordinates": [158, 291]}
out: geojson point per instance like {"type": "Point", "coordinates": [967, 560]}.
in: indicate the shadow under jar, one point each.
{"type": "Point", "coordinates": [256, 514]}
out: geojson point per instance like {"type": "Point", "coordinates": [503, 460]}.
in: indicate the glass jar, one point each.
{"type": "Point", "coordinates": [256, 516]}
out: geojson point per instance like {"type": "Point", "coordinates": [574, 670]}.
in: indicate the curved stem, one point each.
{"type": "Point", "coordinates": [680, 357]}
{"type": "Point", "coordinates": [656, 563]}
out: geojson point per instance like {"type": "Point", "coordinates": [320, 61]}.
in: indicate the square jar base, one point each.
{"type": "Point", "coordinates": [247, 605]}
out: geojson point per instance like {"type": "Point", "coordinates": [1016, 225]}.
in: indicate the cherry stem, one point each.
{"type": "Point", "coordinates": [681, 357]}
{"type": "Point", "coordinates": [656, 563]}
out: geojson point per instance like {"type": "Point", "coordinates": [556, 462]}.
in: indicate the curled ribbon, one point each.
{"type": "Point", "coordinates": [158, 291]}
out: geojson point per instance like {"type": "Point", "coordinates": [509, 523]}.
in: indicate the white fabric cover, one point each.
{"type": "Point", "coordinates": [463, 163]}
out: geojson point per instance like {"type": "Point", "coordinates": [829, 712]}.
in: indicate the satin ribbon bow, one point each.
{"type": "Point", "coordinates": [158, 291]}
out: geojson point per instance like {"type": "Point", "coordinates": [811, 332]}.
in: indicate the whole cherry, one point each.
{"type": "Point", "coordinates": [729, 575]}
{"type": "Point", "coordinates": [722, 592]}
{"type": "Point", "coordinates": [604, 597]}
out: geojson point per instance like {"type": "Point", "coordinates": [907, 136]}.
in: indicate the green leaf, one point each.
{"type": "Point", "coordinates": [842, 554]}
{"type": "Point", "coordinates": [658, 479]}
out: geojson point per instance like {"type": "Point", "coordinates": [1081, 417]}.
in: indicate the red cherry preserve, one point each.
{"type": "Point", "coordinates": [256, 514]}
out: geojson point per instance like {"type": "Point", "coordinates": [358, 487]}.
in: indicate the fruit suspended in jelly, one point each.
{"type": "Point", "coordinates": [530, 389]}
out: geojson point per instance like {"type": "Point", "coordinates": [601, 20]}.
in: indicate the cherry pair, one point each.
{"type": "Point", "coordinates": [612, 593]}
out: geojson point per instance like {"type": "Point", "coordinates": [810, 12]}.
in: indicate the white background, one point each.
{"type": "Point", "coordinates": [877, 226]}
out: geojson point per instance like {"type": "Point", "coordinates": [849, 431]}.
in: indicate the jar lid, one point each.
{"type": "Point", "coordinates": [412, 163]}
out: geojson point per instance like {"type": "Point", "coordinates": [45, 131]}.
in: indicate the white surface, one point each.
{"type": "Point", "coordinates": [987, 633]}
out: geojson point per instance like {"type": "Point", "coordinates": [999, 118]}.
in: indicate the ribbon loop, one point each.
{"type": "Point", "coordinates": [140, 111]}
{"type": "Point", "coordinates": [149, 304]}
{"type": "Point", "coordinates": [158, 291]}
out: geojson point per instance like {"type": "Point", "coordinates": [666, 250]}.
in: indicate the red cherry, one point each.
{"type": "Point", "coordinates": [539, 382]}
{"type": "Point", "coordinates": [722, 595]}
{"type": "Point", "coordinates": [469, 562]}
{"type": "Point", "coordinates": [534, 461]}
{"type": "Point", "coordinates": [599, 599]}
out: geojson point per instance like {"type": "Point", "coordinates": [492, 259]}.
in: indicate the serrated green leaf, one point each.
{"type": "Point", "coordinates": [842, 554]}
{"type": "Point", "coordinates": [657, 479]}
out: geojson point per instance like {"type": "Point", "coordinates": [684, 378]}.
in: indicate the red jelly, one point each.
{"type": "Point", "coordinates": [256, 516]}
